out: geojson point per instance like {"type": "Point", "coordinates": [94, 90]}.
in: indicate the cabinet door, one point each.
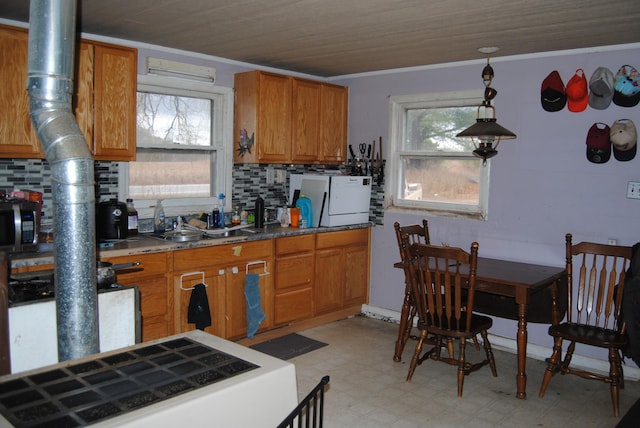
{"type": "Point", "coordinates": [305, 123]}
{"type": "Point", "coordinates": [83, 93]}
{"type": "Point", "coordinates": [273, 133]}
{"type": "Point", "coordinates": [236, 307]}
{"type": "Point", "coordinates": [329, 280]}
{"type": "Point", "coordinates": [156, 296]}
{"type": "Point", "coordinates": [115, 103]}
{"type": "Point", "coordinates": [17, 137]}
{"type": "Point", "coordinates": [215, 280]}
{"type": "Point", "coordinates": [357, 275]}
{"type": "Point", "coordinates": [333, 125]}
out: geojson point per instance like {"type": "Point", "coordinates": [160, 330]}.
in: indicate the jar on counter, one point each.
{"type": "Point", "coordinates": [235, 216]}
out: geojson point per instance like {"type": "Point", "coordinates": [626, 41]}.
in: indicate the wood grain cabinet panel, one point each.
{"type": "Point", "coordinates": [156, 295]}
{"type": "Point", "coordinates": [225, 269]}
{"type": "Point", "coordinates": [104, 98]}
{"type": "Point", "coordinates": [293, 120]}
{"type": "Point", "coordinates": [294, 278]}
{"type": "Point", "coordinates": [342, 269]}
{"type": "Point", "coordinates": [17, 137]}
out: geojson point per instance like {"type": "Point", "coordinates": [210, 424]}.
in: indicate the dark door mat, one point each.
{"type": "Point", "coordinates": [630, 420]}
{"type": "Point", "coordinates": [289, 346]}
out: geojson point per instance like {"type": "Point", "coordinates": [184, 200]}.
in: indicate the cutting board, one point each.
{"type": "Point", "coordinates": [314, 190]}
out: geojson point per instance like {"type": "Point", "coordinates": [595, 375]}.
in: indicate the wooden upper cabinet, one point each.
{"type": "Point", "coordinates": [333, 124]}
{"type": "Point", "coordinates": [17, 136]}
{"type": "Point", "coordinates": [305, 122]}
{"type": "Point", "coordinates": [115, 81]}
{"type": "Point", "coordinates": [263, 110]}
{"type": "Point", "coordinates": [104, 98]}
{"type": "Point", "coordinates": [294, 120]}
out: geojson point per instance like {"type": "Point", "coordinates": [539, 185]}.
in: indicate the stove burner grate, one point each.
{"type": "Point", "coordinates": [91, 391]}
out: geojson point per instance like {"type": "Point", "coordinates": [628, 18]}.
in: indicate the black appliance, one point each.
{"type": "Point", "coordinates": [112, 220]}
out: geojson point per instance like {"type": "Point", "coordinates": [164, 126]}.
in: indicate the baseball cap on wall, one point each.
{"type": "Point", "coordinates": [598, 144]}
{"type": "Point", "coordinates": [624, 138]}
{"type": "Point", "coordinates": [601, 86]}
{"type": "Point", "coordinates": [552, 92]}
{"type": "Point", "coordinates": [627, 87]}
{"type": "Point", "coordinates": [577, 92]}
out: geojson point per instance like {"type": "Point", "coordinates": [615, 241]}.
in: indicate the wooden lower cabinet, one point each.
{"type": "Point", "coordinates": [295, 260]}
{"type": "Point", "coordinates": [225, 270]}
{"type": "Point", "coordinates": [341, 269]}
{"type": "Point", "coordinates": [156, 296]}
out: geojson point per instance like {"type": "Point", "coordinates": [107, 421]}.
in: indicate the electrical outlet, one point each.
{"type": "Point", "coordinates": [271, 175]}
{"type": "Point", "coordinates": [612, 241]}
{"type": "Point", "coordinates": [633, 190]}
{"type": "Point", "coordinates": [280, 174]}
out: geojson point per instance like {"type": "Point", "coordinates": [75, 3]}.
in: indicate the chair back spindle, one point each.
{"type": "Point", "coordinates": [597, 299]}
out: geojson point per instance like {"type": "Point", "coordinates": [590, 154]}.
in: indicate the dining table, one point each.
{"type": "Point", "coordinates": [520, 291]}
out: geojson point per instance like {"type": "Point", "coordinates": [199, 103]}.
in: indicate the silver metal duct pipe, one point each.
{"type": "Point", "coordinates": [50, 86]}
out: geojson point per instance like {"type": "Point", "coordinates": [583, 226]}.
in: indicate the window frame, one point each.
{"type": "Point", "coordinates": [222, 144]}
{"type": "Point", "coordinates": [398, 105]}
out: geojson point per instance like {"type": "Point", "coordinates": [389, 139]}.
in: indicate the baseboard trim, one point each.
{"type": "Point", "coordinates": [506, 344]}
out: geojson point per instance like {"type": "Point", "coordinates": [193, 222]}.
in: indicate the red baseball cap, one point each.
{"type": "Point", "coordinates": [598, 143]}
{"type": "Point", "coordinates": [552, 92]}
{"type": "Point", "coordinates": [577, 92]}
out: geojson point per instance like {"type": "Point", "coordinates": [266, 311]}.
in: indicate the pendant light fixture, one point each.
{"type": "Point", "coordinates": [486, 131]}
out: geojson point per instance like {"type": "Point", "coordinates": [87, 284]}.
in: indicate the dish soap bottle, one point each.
{"type": "Point", "coordinates": [132, 218]}
{"type": "Point", "coordinates": [159, 226]}
{"type": "Point", "coordinates": [306, 217]}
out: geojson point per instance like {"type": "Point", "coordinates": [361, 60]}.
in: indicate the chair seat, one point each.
{"type": "Point", "coordinates": [590, 335]}
{"type": "Point", "coordinates": [448, 327]}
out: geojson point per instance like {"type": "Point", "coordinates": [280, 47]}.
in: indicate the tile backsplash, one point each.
{"type": "Point", "coordinates": [249, 182]}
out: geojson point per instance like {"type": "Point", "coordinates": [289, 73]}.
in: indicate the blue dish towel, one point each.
{"type": "Point", "coordinates": [255, 314]}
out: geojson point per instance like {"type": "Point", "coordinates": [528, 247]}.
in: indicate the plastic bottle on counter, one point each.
{"type": "Point", "coordinates": [306, 219]}
{"type": "Point", "coordinates": [259, 212]}
{"type": "Point", "coordinates": [215, 217]}
{"type": "Point", "coordinates": [284, 218]}
{"type": "Point", "coordinates": [132, 218]}
{"type": "Point", "coordinates": [159, 225]}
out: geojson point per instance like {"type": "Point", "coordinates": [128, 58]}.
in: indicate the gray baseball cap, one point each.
{"type": "Point", "coordinates": [601, 88]}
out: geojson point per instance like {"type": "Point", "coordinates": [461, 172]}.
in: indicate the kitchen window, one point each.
{"type": "Point", "coordinates": [183, 145]}
{"type": "Point", "coordinates": [430, 170]}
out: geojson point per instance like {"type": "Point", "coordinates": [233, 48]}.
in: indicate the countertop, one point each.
{"type": "Point", "coordinates": [147, 243]}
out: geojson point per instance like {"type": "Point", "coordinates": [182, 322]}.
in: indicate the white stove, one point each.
{"type": "Point", "coordinates": [191, 379]}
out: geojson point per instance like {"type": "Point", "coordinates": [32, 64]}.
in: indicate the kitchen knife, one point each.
{"type": "Point", "coordinates": [296, 195]}
{"type": "Point", "coordinates": [353, 155]}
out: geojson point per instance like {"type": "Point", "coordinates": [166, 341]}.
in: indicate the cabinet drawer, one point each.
{"type": "Point", "coordinates": [294, 244]}
{"type": "Point", "coordinates": [150, 264]}
{"type": "Point", "coordinates": [228, 254]}
{"type": "Point", "coordinates": [343, 238]}
{"type": "Point", "coordinates": [294, 271]}
{"type": "Point", "coordinates": [294, 305]}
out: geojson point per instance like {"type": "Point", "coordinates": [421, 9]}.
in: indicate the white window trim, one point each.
{"type": "Point", "coordinates": [397, 106]}
{"type": "Point", "coordinates": [222, 143]}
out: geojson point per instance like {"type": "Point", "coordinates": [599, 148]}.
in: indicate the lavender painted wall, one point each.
{"type": "Point", "coordinates": [542, 185]}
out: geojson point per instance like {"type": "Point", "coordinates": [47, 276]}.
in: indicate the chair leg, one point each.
{"type": "Point", "coordinates": [475, 342]}
{"type": "Point", "coordinates": [552, 367]}
{"type": "Point", "coordinates": [489, 352]}
{"type": "Point", "coordinates": [450, 347]}
{"type": "Point", "coordinates": [615, 374]}
{"type": "Point", "coordinates": [416, 355]}
{"type": "Point", "coordinates": [461, 366]}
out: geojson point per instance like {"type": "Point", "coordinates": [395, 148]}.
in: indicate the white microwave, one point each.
{"type": "Point", "coordinates": [336, 200]}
